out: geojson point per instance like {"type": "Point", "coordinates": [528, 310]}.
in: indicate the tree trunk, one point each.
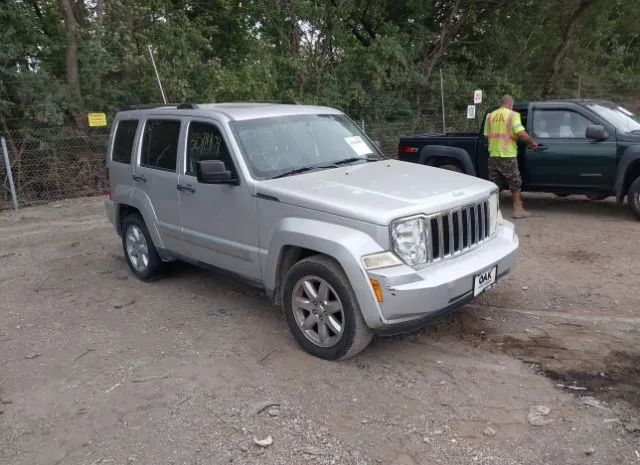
{"type": "Point", "coordinates": [565, 45]}
{"type": "Point", "coordinates": [360, 27]}
{"type": "Point", "coordinates": [72, 30]}
{"type": "Point", "coordinates": [432, 54]}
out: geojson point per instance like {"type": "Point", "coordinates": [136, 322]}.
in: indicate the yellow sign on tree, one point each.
{"type": "Point", "coordinates": [97, 119]}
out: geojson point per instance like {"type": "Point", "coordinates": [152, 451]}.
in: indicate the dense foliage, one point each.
{"type": "Point", "coordinates": [377, 59]}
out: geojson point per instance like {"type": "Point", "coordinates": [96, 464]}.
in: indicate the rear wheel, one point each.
{"type": "Point", "coordinates": [633, 197]}
{"type": "Point", "coordinates": [139, 250]}
{"type": "Point", "coordinates": [322, 311]}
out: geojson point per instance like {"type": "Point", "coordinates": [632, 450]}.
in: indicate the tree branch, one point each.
{"type": "Point", "coordinates": [565, 45]}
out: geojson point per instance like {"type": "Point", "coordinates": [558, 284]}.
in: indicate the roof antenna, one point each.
{"type": "Point", "coordinates": [153, 62]}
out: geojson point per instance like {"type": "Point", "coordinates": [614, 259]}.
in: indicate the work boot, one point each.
{"type": "Point", "coordinates": [519, 212]}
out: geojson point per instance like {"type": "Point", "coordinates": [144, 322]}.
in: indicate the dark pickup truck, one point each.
{"type": "Point", "coordinates": [589, 147]}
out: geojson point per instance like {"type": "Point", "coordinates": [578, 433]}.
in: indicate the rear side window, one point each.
{"type": "Point", "coordinates": [160, 144]}
{"type": "Point", "coordinates": [123, 141]}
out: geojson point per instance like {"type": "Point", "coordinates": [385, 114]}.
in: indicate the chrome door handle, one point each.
{"type": "Point", "coordinates": [182, 188]}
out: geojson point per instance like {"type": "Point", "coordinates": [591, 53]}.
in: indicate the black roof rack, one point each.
{"type": "Point", "coordinates": [147, 105]}
{"type": "Point", "coordinates": [195, 106]}
{"type": "Point", "coordinates": [283, 102]}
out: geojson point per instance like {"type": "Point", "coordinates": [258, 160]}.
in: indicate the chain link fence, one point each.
{"type": "Point", "coordinates": [51, 164]}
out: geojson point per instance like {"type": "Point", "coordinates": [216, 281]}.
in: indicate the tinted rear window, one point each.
{"type": "Point", "coordinates": [160, 144]}
{"type": "Point", "coordinates": [123, 141]}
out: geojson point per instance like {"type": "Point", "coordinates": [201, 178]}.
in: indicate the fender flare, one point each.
{"type": "Point", "coordinates": [141, 201]}
{"type": "Point", "coordinates": [343, 244]}
{"type": "Point", "coordinates": [432, 152]}
{"type": "Point", "coordinates": [629, 158]}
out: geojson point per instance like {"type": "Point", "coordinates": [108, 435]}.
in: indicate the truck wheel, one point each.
{"type": "Point", "coordinates": [322, 311]}
{"type": "Point", "coordinates": [139, 250]}
{"type": "Point", "coordinates": [451, 167]}
{"type": "Point", "coordinates": [633, 197]}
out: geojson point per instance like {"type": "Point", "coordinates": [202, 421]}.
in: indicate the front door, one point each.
{"type": "Point", "coordinates": [219, 221]}
{"type": "Point", "coordinates": [155, 179]}
{"type": "Point", "coordinates": [568, 159]}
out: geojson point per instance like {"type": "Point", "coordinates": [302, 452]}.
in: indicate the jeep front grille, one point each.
{"type": "Point", "coordinates": [458, 230]}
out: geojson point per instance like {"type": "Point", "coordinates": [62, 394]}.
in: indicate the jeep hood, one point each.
{"type": "Point", "coordinates": [377, 192]}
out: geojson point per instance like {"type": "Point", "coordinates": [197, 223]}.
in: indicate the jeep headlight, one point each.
{"type": "Point", "coordinates": [410, 241]}
{"type": "Point", "coordinates": [494, 212]}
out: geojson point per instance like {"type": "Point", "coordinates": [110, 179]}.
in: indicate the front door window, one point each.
{"type": "Point", "coordinates": [559, 124]}
{"type": "Point", "coordinates": [205, 142]}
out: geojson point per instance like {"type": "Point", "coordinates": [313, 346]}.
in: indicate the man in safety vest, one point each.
{"type": "Point", "coordinates": [503, 129]}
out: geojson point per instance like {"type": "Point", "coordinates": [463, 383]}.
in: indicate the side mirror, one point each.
{"type": "Point", "coordinates": [213, 172]}
{"type": "Point", "coordinates": [596, 132]}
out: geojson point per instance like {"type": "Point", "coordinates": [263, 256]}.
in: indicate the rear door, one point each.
{"type": "Point", "coordinates": [568, 159]}
{"type": "Point", "coordinates": [155, 178]}
{"type": "Point", "coordinates": [119, 161]}
{"type": "Point", "coordinates": [219, 221]}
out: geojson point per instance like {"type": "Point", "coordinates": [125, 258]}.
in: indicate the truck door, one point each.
{"type": "Point", "coordinates": [219, 221]}
{"type": "Point", "coordinates": [568, 159]}
{"type": "Point", "coordinates": [155, 178]}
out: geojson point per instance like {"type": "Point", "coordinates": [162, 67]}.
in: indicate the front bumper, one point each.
{"type": "Point", "coordinates": [411, 298]}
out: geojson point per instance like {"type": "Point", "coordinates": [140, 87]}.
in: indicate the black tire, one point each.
{"type": "Point", "coordinates": [452, 167]}
{"type": "Point", "coordinates": [356, 335]}
{"type": "Point", "coordinates": [633, 197]}
{"type": "Point", "coordinates": [154, 266]}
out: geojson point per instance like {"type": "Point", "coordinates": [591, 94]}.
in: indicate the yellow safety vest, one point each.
{"type": "Point", "coordinates": [501, 128]}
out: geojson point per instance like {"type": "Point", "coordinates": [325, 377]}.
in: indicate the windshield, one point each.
{"type": "Point", "coordinates": [277, 145]}
{"type": "Point", "coordinates": [621, 118]}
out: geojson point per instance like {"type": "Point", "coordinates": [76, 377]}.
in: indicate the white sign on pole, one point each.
{"type": "Point", "coordinates": [471, 112]}
{"type": "Point", "coordinates": [477, 96]}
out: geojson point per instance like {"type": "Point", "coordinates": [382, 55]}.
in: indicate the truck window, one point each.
{"type": "Point", "coordinates": [559, 124]}
{"type": "Point", "coordinates": [205, 142]}
{"type": "Point", "coordinates": [160, 144]}
{"type": "Point", "coordinates": [123, 141]}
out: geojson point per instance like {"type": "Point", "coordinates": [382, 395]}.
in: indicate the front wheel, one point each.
{"type": "Point", "coordinates": [633, 197]}
{"type": "Point", "coordinates": [322, 311]}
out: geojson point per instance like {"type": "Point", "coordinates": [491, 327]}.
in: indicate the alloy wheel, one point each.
{"type": "Point", "coordinates": [318, 311]}
{"type": "Point", "coordinates": [137, 248]}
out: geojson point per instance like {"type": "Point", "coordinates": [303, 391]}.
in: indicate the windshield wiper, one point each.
{"type": "Point", "coordinates": [354, 159]}
{"type": "Point", "coordinates": [304, 169]}
{"type": "Point", "coordinates": [334, 164]}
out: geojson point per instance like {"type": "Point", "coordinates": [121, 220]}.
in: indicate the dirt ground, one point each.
{"type": "Point", "coordinates": [97, 367]}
